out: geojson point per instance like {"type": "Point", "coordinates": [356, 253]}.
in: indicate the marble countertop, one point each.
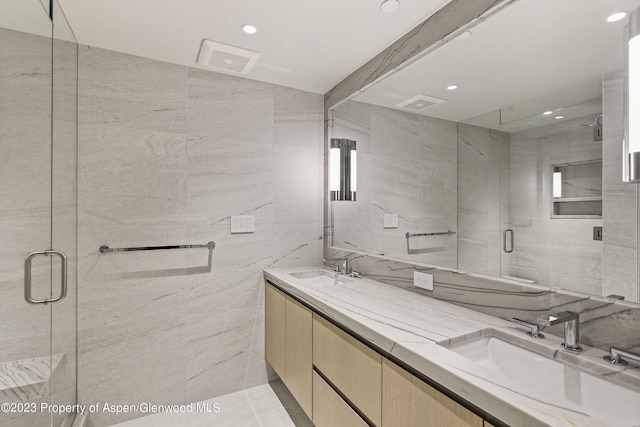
{"type": "Point", "coordinates": [417, 330]}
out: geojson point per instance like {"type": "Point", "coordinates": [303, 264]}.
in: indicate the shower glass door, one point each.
{"type": "Point", "coordinates": [38, 215]}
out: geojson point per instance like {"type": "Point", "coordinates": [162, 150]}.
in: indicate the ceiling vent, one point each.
{"type": "Point", "coordinates": [420, 102]}
{"type": "Point", "coordinates": [222, 57]}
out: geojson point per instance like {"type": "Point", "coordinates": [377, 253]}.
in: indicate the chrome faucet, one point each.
{"type": "Point", "coordinates": [615, 356]}
{"type": "Point", "coordinates": [346, 267]}
{"type": "Point", "coordinates": [534, 329]}
{"type": "Point", "coordinates": [571, 322]}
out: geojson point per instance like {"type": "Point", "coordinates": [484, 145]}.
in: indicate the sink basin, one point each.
{"type": "Point", "coordinates": [555, 382]}
{"type": "Point", "coordinates": [319, 277]}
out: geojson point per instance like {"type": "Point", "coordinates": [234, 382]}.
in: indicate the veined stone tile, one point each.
{"type": "Point", "coordinates": [215, 198]}
{"type": "Point", "coordinates": [213, 369]}
{"type": "Point", "coordinates": [296, 106]}
{"type": "Point", "coordinates": [118, 187]}
{"type": "Point", "coordinates": [147, 368]}
{"type": "Point", "coordinates": [132, 92]}
{"type": "Point", "coordinates": [27, 379]}
{"type": "Point", "coordinates": [296, 243]}
{"type": "Point", "coordinates": [299, 183]}
{"type": "Point", "coordinates": [229, 108]}
{"type": "Point", "coordinates": [26, 74]}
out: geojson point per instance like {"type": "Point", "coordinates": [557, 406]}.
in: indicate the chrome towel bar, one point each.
{"type": "Point", "coordinates": [106, 249]}
{"type": "Point", "coordinates": [448, 232]}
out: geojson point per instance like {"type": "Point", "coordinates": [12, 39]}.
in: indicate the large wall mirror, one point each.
{"type": "Point", "coordinates": [499, 152]}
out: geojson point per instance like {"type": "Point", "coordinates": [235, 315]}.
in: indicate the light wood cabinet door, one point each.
{"type": "Point", "coordinates": [274, 340]}
{"type": "Point", "coordinates": [329, 410]}
{"type": "Point", "coordinates": [488, 424]}
{"type": "Point", "coordinates": [298, 342]}
{"type": "Point", "coordinates": [407, 401]}
{"type": "Point", "coordinates": [350, 366]}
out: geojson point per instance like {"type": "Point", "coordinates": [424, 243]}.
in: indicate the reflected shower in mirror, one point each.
{"type": "Point", "coordinates": [460, 147]}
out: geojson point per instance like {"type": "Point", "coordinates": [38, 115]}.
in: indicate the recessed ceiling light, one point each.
{"type": "Point", "coordinates": [389, 5]}
{"type": "Point", "coordinates": [249, 29]}
{"type": "Point", "coordinates": [559, 117]}
{"type": "Point", "coordinates": [615, 17]}
{"type": "Point", "coordinates": [452, 87]}
{"type": "Point", "coordinates": [546, 113]}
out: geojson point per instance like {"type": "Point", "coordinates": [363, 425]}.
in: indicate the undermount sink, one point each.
{"type": "Point", "coordinates": [555, 382]}
{"type": "Point", "coordinates": [319, 277]}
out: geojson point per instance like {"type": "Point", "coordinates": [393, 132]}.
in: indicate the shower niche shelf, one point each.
{"type": "Point", "coordinates": [576, 189]}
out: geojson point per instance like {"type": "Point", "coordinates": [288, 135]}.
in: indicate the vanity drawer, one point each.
{"type": "Point", "coordinates": [329, 410]}
{"type": "Point", "coordinates": [408, 401]}
{"type": "Point", "coordinates": [351, 367]}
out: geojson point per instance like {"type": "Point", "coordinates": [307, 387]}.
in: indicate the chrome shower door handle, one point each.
{"type": "Point", "coordinates": [504, 240]}
{"type": "Point", "coordinates": [27, 276]}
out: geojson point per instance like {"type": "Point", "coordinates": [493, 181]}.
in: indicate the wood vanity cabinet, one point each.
{"type": "Point", "coordinates": [352, 368]}
{"type": "Point", "coordinates": [408, 401]}
{"type": "Point", "coordinates": [298, 358]}
{"type": "Point", "coordinates": [340, 381]}
{"type": "Point", "coordinates": [329, 409]}
{"type": "Point", "coordinates": [274, 319]}
{"type": "Point", "coordinates": [288, 344]}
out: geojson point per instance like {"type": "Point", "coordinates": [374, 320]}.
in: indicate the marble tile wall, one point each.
{"type": "Point", "coordinates": [619, 204]}
{"type": "Point", "coordinates": [559, 252]}
{"type": "Point", "coordinates": [167, 155]}
{"type": "Point", "coordinates": [25, 176]}
{"type": "Point", "coordinates": [483, 192]}
{"type": "Point", "coordinates": [406, 166]}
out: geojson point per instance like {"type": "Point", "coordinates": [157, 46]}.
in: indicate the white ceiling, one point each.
{"type": "Point", "coordinates": [533, 56]}
{"type": "Point", "coordinates": [305, 44]}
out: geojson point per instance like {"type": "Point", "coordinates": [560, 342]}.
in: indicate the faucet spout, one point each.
{"type": "Point", "coordinates": [571, 322]}
{"type": "Point", "coordinates": [346, 267]}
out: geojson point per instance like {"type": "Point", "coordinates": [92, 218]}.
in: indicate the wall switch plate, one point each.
{"type": "Point", "coordinates": [390, 221]}
{"type": "Point", "coordinates": [423, 280]}
{"type": "Point", "coordinates": [242, 224]}
{"type": "Point", "coordinates": [597, 233]}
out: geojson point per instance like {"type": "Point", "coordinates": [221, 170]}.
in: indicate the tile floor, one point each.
{"type": "Point", "coordinates": [257, 406]}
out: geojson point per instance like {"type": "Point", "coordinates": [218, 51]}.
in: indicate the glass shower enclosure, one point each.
{"type": "Point", "coordinates": [38, 214]}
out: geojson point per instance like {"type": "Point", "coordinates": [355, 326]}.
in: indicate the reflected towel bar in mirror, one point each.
{"type": "Point", "coordinates": [448, 232]}
{"type": "Point", "coordinates": [106, 249]}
